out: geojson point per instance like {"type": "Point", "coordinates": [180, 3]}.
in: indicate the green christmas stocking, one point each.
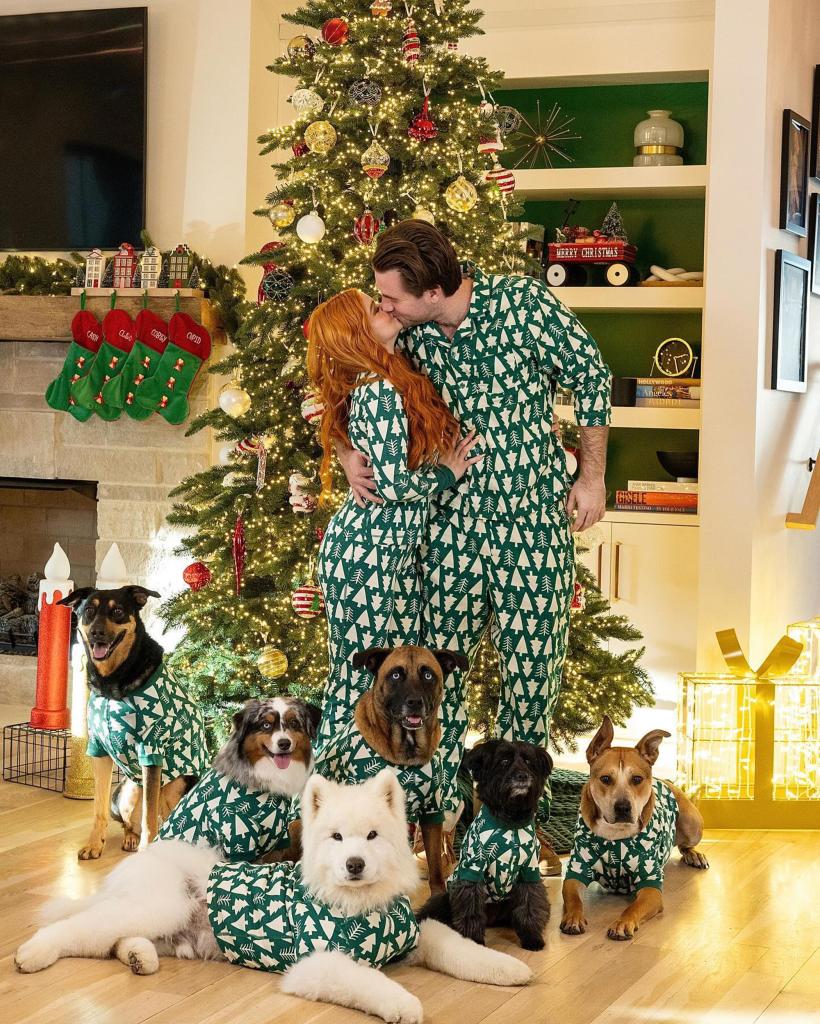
{"type": "Point", "coordinates": [166, 392]}
{"type": "Point", "coordinates": [118, 340]}
{"type": "Point", "coordinates": [87, 336]}
{"type": "Point", "coordinates": [150, 340]}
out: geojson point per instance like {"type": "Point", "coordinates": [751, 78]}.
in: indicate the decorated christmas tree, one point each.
{"type": "Point", "coordinates": [613, 226]}
{"type": "Point", "coordinates": [391, 121]}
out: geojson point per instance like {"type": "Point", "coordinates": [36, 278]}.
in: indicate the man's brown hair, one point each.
{"type": "Point", "coordinates": [422, 255]}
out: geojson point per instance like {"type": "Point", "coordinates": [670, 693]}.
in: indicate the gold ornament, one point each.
{"type": "Point", "coordinates": [272, 663]}
{"type": "Point", "coordinates": [301, 48]}
{"type": "Point", "coordinates": [234, 400]}
{"type": "Point", "coordinates": [381, 8]}
{"type": "Point", "coordinates": [422, 213]}
{"type": "Point", "coordinates": [375, 160]}
{"type": "Point", "coordinates": [320, 136]}
{"type": "Point", "coordinates": [282, 215]}
{"type": "Point", "coordinates": [460, 195]}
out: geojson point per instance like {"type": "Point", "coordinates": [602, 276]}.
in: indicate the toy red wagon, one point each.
{"type": "Point", "coordinates": [568, 262]}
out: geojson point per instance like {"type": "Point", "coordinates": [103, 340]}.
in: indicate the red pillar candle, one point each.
{"type": "Point", "coordinates": [51, 709]}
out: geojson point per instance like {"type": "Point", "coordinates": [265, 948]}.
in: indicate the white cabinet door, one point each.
{"type": "Point", "coordinates": [597, 560]}
{"type": "Point", "coordinates": [653, 582]}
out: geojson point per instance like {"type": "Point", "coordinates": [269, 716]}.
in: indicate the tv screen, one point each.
{"type": "Point", "coordinates": [72, 129]}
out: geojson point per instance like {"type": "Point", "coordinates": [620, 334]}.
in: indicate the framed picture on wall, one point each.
{"type": "Point", "coordinates": [794, 173]}
{"type": "Point", "coordinates": [791, 301]}
{"type": "Point", "coordinates": [813, 251]}
{"type": "Point", "coordinates": [815, 126]}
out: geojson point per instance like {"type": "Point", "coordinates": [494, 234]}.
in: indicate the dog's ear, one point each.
{"type": "Point", "coordinates": [76, 597]}
{"type": "Point", "coordinates": [371, 659]}
{"type": "Point", "coordinates": [314, 794]}
{"type": "Point", "coordinates": [451, 660]}
{"type": "Point", "coordinates": [601, 741]}
{"type": "Point", "coordinates": [647, 746]}
{"type": "Point", "coordinates": [544, 761]}
{"type": "Point", "coordinates": [387, 786]}
{"type": "Point", "coordinates": [242, 718]}
{"type": "Point", "coordinates": [477, 760]}
{"type": "Point", "coordinates": [313, 715]}
{"type": "Point", "coordinates": [141, 595]}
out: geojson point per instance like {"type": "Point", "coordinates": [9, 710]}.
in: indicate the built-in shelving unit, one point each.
{"type": "Point", "coordinates": [673, 299]}
{"type": "Point", "coordinates": [646, 419]}
{"type": "Point", "coordinates": [685, 182]}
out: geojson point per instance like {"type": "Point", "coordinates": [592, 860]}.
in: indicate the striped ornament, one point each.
{"type": "Point", "coordinates": [312, 407]}
{"type": "Point", "coordinates": [410, 43]}
{"type": "Point", "coordinates": [366, 227]}
{"type": "Point", "coordinates": [502, 177]}
{"type": "Point", "coordinates": [307, 601]}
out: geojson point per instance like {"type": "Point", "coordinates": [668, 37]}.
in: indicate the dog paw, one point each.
{"type": "Point", "coordinates": [509, 971]}
{"type": "Point", "coordinates": [573, 924]}
{"type": "Point", "coordinates": [138, 954]}
{"type": "Point", "coordinates": [404, 1009]}
{"type": "Point", "coordinates": [532, 942]}
{"type": "Point", "coordinates": [623, 929]}
{"type": "Point", "coordinates": [130, 842]}
{"type": "Point", "coordinates": [35, 955]}
{"type": "Point", "coordinates": [92, 851]}
{"type": "Point", "coordinates": [695, 859]}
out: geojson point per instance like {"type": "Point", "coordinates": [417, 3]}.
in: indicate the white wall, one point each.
{"type": "Point", "coordinates": [755, 575]}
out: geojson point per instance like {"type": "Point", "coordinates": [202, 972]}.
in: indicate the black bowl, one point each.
{"type": "Point", "coordinates": [679, 464]}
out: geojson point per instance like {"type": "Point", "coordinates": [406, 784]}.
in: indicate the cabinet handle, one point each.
{"type": "Point", "coordinates": [600, 563]}
{"type": "Point", "coordinates": [615, 595]}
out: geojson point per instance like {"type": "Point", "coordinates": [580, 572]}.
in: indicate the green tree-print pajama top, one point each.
{"type": "Point", "coordinates": [497, 856]}
{"type": "Point", "coordinates": [498, 549]}
{"type": "Point", "coordinates": [368, 561]}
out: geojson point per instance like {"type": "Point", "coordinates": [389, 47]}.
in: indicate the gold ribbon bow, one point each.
{"type": "Point", "coordinates": [776, 663]}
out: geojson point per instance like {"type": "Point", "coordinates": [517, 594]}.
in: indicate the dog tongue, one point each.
{"type": "Point", "coordinates": [414, 719]}
{"type": "Point", "coordinates": [98, 650]}
{"type": "Point", "coordinates": [281, 760]}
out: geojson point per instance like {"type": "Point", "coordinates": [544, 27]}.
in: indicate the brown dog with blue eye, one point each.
{"type": "Point", "coordinates": [627, 825]}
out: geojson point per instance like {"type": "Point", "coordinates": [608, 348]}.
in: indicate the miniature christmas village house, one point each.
{"type": "Point", "coordinates": [125, 265]}
{"type": "Point", "coordinates": [94, 269]}
{"type": "Point", "coordinates": [150, 266]}
{"type": "Point", "coordinates": [178, 262]}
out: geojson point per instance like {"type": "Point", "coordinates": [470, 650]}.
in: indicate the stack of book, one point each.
{"type": "Point", "coordinates": [658, 496]}
{"type": "Point", "coordinates": [668, 393]}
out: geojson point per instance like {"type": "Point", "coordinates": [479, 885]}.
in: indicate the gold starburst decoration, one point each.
{"type": "Point", "coordinates": [541, 140]}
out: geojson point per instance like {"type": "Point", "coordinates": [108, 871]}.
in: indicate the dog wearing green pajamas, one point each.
{"type": "Point", "coordinates": [368, 561]}
{"type": "Point", "coordinates": [498, 550]}
{"type": "Point", "coordinates": [628, 823]}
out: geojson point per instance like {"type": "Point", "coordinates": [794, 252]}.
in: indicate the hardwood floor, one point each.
{"type": "Point", "coordinates": [736, 944]}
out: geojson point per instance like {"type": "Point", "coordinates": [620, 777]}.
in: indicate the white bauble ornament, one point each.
{"type": "Point", "coordinates": [225, 452]}
{"type": "Point", "coordinates": [422, 213]}
{"type": "Point", "coordinates": [306, 101]}
{"type": "Point", "coordinates": [233, 399]}
{"type": "Point", "coordinates": [311, 228]}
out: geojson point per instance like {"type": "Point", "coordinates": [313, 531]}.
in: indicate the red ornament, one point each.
{"type": "Point", "coordinates": [300, 149]}
{"type": "Point", "coordinates": [272, 247]}
{"type": "Point", "coordinates": [239, 552]}
{"type": "Point", "coordinates": [306, 327]}
{"type": "Point", "coordinates": [422, 127]}
{"type": "Point", "coordinates": [502, 177]}
{"type": "Point", "coordinates": [307, 601]}
{"type": "Point", "coordinates": [336, 32]}
{"type": "Point", "coordinates": [366, 227]}
{"type": "Point", "coordinates": [410, 43]}
{"type": "Point", "coordinates": [578, 598]}
{"type": "Point", "coordinates": [319, 533]}
{"type": "Point", "coordinates": [197, 575]}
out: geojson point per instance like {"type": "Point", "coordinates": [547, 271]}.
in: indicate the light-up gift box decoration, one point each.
{"type": "Point", "coordinates": [749, 750]}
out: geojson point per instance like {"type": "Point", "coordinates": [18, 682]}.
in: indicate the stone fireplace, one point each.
{"type": "Point", "coordinates": [85, 485]}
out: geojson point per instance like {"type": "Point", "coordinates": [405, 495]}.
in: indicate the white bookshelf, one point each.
{"type": "Point", "coordinates": [648, 419]}
{"type": "Point", "coordinates": [675, 299]}
{"type": "Point", "coordinates": [560, 183]}
{"type": "Point", "coordinates": [651, 518]}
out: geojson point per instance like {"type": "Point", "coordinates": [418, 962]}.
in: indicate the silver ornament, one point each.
{"type": "Point", "coordinates": [306, 101]}
{"type": "Point", "coordinates": [365, 92]}
{"type": "Point", "coordinates": [508, 118]}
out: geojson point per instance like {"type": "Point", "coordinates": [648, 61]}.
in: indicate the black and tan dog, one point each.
{"type": "Point", "coordinates": [396, 724]}
{"type": "Point", "coordinates": [627, 826]}
{"type": "Point", "coordinates": [496, 881]}
{"type": "Point", "coordinates": [139, 717]}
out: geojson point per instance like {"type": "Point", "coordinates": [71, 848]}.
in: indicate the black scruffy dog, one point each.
{"type": "Point", "coordinates": [509, 779]}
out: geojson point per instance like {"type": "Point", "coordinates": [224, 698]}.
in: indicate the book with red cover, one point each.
{"type": "Point", "coordinates": [655, 498]}
{"type": "Point", "coordinates": [677, 510]}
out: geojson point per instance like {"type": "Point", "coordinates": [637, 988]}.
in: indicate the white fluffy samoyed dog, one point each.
{"type": "Point", "coordinates": [327, 923]}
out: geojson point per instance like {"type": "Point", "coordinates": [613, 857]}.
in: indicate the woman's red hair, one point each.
{"type": "Point", "coordinates": [341, 348]}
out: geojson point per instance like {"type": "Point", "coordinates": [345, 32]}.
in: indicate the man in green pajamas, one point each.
{"type": "Point", "coordinates": [499, 549]}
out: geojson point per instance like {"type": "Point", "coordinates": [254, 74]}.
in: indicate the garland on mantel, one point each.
{"type": "Point", "coordinates": [33, 275]}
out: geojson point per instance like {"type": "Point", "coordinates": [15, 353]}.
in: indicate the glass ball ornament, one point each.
{"type": "Point", "coordinates": [320, 136]}
{"type": "Point", "coordinates": [422, 213]}
{"type": "Point", "coordinates": [508, 119]}
{"type": "Point", "coordinates": [299, 149]}
{"type": "Point", "coordinates": [282, 215]}
{"type": "Point", "coordinates": [301, 48]}
{"type": "Point", "coordinates": [307, 601]}
{"type": "Point", "coordinates": [365, 92]}
{"type": "Point", "coordinates": [375, 160]}
{"type": "Point", "coordinates": [307, 101]}
{"type": "Point", "coordinates": [460, 195]}
{"type": "Point", "coordinates": [501, 177]}
{"type": "Point", "coordinates": [277, 285]}
{"type": "Point", "coordinates": [366, 227]}
{"type": "Point", "coordinates": [422, 127]}
{"type": "Point", "coordinates": [381, 8]}
{"type": "Point", "coordinates": [234, 400]}
{"type": "Point", "coordinates": [197, 575]}
{"type": "Point", "coordinates": [272, 663]}
{"type": "Point", "coordinates": [225, 452]}
{"type": "Point", "coordinates": [311, 228]}
{"type": "Point", "coordinates": [336, 32]}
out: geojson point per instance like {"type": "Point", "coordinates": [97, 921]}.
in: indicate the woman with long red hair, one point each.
{"type": "Point", "coordinates": [368, 566]}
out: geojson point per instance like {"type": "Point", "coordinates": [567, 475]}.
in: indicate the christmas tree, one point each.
{"type": "Point", "coordinates": [613, 226]}
{"type": "Point", "coordinates": [392, 121]}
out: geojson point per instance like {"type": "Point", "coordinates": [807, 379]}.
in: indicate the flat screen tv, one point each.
{"type": "Point", "coordinates": [72, 129]}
